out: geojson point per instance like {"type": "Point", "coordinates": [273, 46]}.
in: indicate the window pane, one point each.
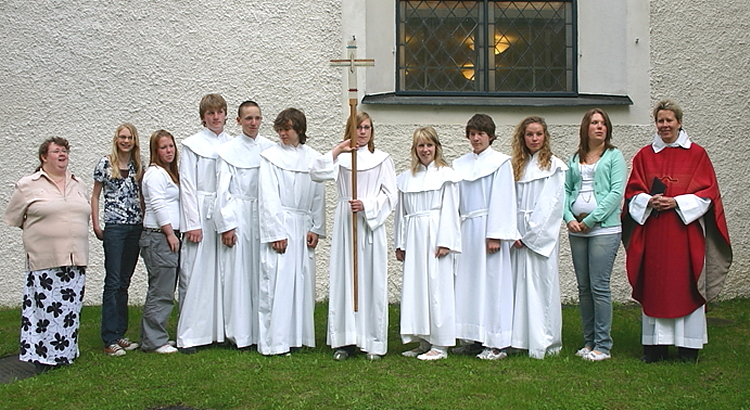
{"type": "Point", "coordinates": [437, 45]}
{"type": "Point", "coordinates": [486, 46]}
{"type": "Point", "coordinates": [531, 46]}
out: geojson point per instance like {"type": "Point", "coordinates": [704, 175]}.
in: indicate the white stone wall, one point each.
{"type": "Point", "coordinates": [79, 68]}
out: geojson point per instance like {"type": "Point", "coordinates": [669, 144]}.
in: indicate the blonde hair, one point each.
{"type": "Point", "coordinates": [668, 105]}
{"type": "Point", "coordinates": [521, 153]}
{"type": "Point", "coordinates": [426, 134]}
{"type": "Point", "coordinates": [212, 102]}
{"type": "Point", "coordinates": [135, 153]}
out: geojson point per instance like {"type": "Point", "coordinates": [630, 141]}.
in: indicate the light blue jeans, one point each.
{"type": "Point", "coordinates": [593, 258]}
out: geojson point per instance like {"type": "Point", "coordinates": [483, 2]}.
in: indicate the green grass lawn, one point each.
{"type": "Point", "coordinates": [223, 378]}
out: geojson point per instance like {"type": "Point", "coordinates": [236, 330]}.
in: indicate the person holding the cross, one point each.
{"type": "Point", "coordinates": [363, 324]}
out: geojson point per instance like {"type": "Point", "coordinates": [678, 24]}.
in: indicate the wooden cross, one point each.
{"type": "Point", "coordinates": [352, 62]}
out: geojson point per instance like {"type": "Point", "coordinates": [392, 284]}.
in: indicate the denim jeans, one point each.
{"type": "Point", "coordinates": [120, 257]}
{"type": "Point", "coordinates": [593, 258]}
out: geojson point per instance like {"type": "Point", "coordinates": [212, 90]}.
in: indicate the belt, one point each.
{"type": "Point", "coordinates": [159, 230]}
{"type": "Point", "coordinates": [475, 214]}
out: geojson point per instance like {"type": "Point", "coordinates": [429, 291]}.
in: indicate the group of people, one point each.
{"type": "Point", "coordinates": [234, 227]}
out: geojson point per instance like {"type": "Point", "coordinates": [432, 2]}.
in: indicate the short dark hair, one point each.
{"type": "Point", "coordinates": [297, 120]}
{"type": "Point", "coordinates": [481, 122]}
{"type": "Point", "coordinates": [248, 103]}
{"type": "Point", "coordinates": [44, 147]}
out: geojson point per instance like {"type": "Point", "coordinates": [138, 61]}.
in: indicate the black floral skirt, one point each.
{"type": "Point", "coordinates": [51, 315]}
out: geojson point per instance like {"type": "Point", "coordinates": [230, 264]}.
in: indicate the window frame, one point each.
{"type": "Point", "coordinates": [483, 28]}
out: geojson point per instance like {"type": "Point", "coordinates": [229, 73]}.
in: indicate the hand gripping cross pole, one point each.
{"type": "Point", "coordinates": [352, 63]}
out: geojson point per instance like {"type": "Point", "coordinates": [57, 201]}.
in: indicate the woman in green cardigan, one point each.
{"type": "Point", "coordinates": [594, 188]}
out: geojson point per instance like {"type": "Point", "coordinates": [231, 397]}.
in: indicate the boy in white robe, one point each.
{"type": "Point", "coordinates": [292, 210]}
{"type": "Point", "coordinates": [484, 280]}
{"type": "Point", "coordinates": [236, 220]}
{"type": "Point", "coordinates": [201, 319]}
{"type": "Point", "coordinates": [376, 199]}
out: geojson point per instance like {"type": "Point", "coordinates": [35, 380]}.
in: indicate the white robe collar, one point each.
{"type": "Point", "coordinates": [243, 151]}
{"type": "Point", "coordinates": [473, 166]}
{"type": "Point", "coordinates": [532, 171]}
{"type": "Point", "coordinates": [205, 142]}
{"type": "Point", "coordinates": [682, 141]}
{"type": "Point", "coordinates": [289, 157]}
{"type": "Point", "coordinates": [365, 159]}
{"type": "Point", "coordinates": [429, 178]}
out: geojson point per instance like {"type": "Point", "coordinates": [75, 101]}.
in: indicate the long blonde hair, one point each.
{"type": "Point", "coordinates": [426, 134]}
{"type": "Point", "coordinates": [522, 155]}
{"type": "Point", "coordinates": [135, 153]}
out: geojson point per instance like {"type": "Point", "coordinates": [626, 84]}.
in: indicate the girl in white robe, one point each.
{"type": "Point", "coordinates": [540, 189]}
{"type": "Point", "coordinates": [427, 238]}
{"type": "Point", "coordinates": [292, 218]}
{"type": "Point", "coordinates": [376, 198]}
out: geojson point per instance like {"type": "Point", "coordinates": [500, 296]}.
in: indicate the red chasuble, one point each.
{"type": "Point", "coordinates": [665, 258]}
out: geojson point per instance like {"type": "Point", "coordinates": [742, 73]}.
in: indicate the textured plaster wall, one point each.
{"type": "Point", "coordinates": [79, 68]}
{"type": "Point", "coordinates": [699, 57]}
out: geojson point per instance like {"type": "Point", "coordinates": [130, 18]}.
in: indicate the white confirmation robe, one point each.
{"type": "Point", "coordinates": [537, 319]}
{"type": "Point", "coordinates": [201, 318]}
{"type": "Point", "coordinates": [427, 218]}
{"type": "Point", "coordinates": [238, 168]}
{"type": "Point", "coordinates": [291, 205]}
{"type": "Point", "coordinates": [484, 282]}
{"type": "Point", "coordinates": [376, 188]}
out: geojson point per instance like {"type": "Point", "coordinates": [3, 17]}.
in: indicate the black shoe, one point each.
{"type": "Point", "coordinates": [687, 355]}
{"type": "Point", "coordinates": [654, 353]}
{"type": "Point", "coordinates": [187, 350]}
{"type": "Point", "coordinates": [40, 368]}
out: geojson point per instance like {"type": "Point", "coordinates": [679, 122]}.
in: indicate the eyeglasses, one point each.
{"type": "Point", "coordinates": [125, 137]}
{"type": "Point", "coordinates": [363, 127]}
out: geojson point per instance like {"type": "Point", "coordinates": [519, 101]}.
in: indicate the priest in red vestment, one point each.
{"type": "Point", "coordinates": [676, 238]}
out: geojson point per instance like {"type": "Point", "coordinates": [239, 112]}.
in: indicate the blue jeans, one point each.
{"type": "Point", "coordinates": [593, 258]}
{"type": "Point", "coordinates": [120, 257]}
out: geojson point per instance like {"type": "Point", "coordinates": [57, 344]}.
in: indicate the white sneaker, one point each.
{"type": "Point", "coordinates": [582, 352]}
{"type": "Point", "coordinates": [492, 354]}
{"type": "Point", "coordinates": [423, 347]}
{"type": "Point", "coordinates": [166, 349]}
{"type": "Point", "coordinates": [433, 354]}
{"type": "Point", "coordinates": [596, 357]}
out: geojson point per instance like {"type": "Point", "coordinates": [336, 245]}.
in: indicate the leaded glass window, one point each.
{"type": "Point", "coordinates": [486, 47]}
